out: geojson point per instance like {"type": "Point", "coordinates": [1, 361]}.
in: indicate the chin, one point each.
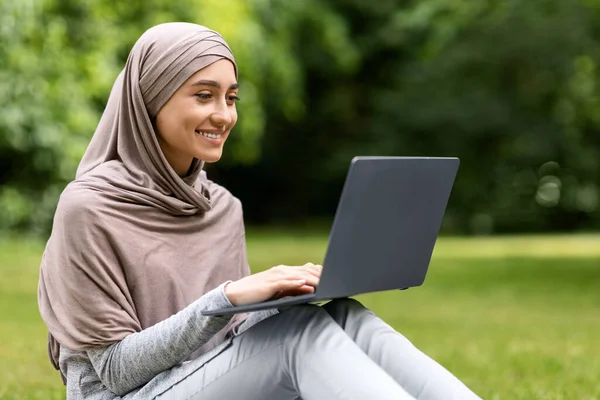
{"type": "Point", "coordinates": [210, 158]}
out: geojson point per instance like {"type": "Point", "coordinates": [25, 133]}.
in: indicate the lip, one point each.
{"type": "Point", "coordinates": [215, 142]}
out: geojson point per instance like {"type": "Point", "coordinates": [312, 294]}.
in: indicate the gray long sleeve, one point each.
{"type": "Point", "coordinates": [139, 357]}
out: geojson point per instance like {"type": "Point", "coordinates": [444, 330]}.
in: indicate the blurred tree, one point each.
{"type": "Point", "coordinates": [58, 60]}
{"type": "Point", "coordinates": [510, 87]}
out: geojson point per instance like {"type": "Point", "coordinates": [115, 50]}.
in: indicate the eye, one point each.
{"type": "Point", "coordinates": [203, 96]}
{"type": "Point", "coordinates": [232, 99]}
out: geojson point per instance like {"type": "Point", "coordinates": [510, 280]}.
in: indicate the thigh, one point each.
{"type": "Point", "coordinates": [250, 368]}
{"type": "Point", "coordinates": [229, 376]}
{"type": "Point", "coordinates": [300, 351]}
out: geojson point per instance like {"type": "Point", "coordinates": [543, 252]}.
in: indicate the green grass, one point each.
{"type": "Point", "coordinates": [514, 318]}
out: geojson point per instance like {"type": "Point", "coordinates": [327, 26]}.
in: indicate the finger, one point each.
{"type": "Point", "coordinates": [297, 272]}
{"type": "Point", "coordinates": [309, 274]}
{"type": "Point", "coordinates": [311, 280]}
{"type": "Point", "coordinates": [312, 266]}
{"type": "Point", "coordinates": [291, 284]}
{"type": "Point", "coordinates": [286, 269]}
{"type": "Point", "coordinates": [314, 270]}
{"type": "Point", "coordinates": [310, 277]}
{"type": "Point", "coordinates": [316, 267]}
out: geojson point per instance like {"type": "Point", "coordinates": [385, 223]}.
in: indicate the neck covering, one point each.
{"type": "Point", "coordinates": [133, 243]}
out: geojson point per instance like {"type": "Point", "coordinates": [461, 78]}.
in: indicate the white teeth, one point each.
{"type": "Point", "coordinates": [210, 135]}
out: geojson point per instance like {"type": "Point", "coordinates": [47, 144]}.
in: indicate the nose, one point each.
{"type": "Point", "coordinates": [221, 117]}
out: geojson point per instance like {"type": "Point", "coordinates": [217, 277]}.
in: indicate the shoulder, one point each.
{"type": "Point", "coordinates": [79, 203]}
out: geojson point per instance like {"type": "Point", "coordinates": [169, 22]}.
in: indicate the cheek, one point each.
{"type": "Point", "coordinates": [162, 127]}
{"type": "Point", "coordinates": [195, 114]}
{"type": "Point", "coordinates": [168, 122]}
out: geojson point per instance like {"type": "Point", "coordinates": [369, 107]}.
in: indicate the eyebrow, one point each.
{"type": "Point", "coordinates": [208, 82]}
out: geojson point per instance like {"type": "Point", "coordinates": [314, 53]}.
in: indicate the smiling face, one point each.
{"type": "Point", "coordinates": [198, 118]}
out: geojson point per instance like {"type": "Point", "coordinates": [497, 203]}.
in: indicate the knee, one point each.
{"type": "Point", "coordinates": [341, 309]}
{"type": "Point", "coordinates": [345, 303]}
{"type": "Point", "coordinates": [344, 306]}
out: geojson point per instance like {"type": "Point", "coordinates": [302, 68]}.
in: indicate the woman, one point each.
{"type": "Point", "coordinates": [143, 242]}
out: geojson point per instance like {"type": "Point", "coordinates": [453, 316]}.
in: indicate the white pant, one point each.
{"type": "Point", "coordinates": [338, 351]}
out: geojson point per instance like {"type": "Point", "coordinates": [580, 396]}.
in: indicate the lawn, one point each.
{"type": "Point", "coordinates": [514, 318]}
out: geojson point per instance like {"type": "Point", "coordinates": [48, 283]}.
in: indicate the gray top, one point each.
{"type": "Point", "coordinates": [123, 368]}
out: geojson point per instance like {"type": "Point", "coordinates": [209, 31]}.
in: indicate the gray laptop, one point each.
{"type": "Point", "coordinates": [384, 231]}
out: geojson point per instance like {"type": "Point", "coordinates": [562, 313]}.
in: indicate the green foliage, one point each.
{"type": "Point", "coordinates": [509, 87]}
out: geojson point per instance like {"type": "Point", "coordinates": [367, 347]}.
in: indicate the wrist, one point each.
{"type": "Point", "coordinates": [229, 290]}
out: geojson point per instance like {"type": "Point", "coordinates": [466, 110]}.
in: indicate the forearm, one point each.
{"type": "Point", "coordinates": [139, 357]}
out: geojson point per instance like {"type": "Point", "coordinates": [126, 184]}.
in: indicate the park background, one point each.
{"type": "Point", "coordinates": [512, 88]}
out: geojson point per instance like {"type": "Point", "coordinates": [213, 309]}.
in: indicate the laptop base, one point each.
{"type": "Point", "coordinates": [264, 305]}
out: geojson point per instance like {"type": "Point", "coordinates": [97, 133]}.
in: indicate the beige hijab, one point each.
{"type": "Point", "coordinates": [132, 242]}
